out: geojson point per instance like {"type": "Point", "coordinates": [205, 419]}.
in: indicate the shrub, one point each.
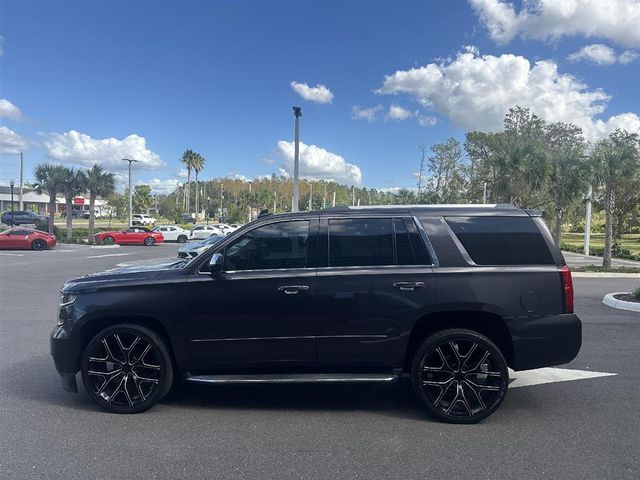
{"type": "Point", "coordinates": [44, 227]}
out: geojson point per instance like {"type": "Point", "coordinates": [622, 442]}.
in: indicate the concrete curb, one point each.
{"type": "Point", "coordinates": [612, 302]}
{"type": "Point", "coordinates": [604, 275]}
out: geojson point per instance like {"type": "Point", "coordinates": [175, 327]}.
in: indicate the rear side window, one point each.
{"type": "Point", "coordinates": [501, 240]}
{"type": "Point", "coordinates": [360, 242]}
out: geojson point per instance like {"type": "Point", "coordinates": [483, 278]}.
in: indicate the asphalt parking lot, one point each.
{"type": "Point", "coordinates": [587, 428]}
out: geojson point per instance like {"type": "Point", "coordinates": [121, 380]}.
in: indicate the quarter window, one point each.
{"type": "Point", "coordinates": [501, 240]}
{"type": "Point", "coordinates": [274, 246]}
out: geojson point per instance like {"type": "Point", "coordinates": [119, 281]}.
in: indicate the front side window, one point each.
{"type": "Point", "coordinates": [360, 242]}
{"type": "Point", "coordinates": [274, 246]}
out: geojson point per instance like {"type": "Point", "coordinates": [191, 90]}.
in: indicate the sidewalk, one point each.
{"type": "Point", "coordinates": [579, 260]}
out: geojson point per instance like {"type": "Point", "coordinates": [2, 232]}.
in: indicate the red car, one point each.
{"type": "Point", "coordinates": [21, 238]}
{"type": "Point", "coordinates": [131, 236]}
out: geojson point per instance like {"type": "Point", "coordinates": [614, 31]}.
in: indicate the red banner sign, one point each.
{"type": "Point", "coordinates": [78, 201]}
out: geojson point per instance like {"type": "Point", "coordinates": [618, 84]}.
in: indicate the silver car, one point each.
{"type": "Point", "coordinates": [193, 249]}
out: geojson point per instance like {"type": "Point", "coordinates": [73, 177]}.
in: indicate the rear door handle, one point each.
{"type": "Point", "coordinates": [408, 286]}
{"type": "Point", "coordinates": [293, 289]}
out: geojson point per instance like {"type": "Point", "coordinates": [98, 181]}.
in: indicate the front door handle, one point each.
{"type": "Point", "coordinates": [293, 289]}
{"type": "Point", "coordinates": [408, 286]}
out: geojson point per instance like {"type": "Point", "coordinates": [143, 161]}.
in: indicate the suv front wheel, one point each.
{"type": "Point", "coordinates": [127, 368]}
{"type": "Point", "coordinates": [459, 375]}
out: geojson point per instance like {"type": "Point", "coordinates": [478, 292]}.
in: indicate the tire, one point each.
{"type": "Point", "coordinates": [127, 369]}
{"type": "Point", "coordinates": [39, 244]}
{"type": "Point", "coordinates": [109, 240]}
{"type": "Point", "coordinates": [149, 242]}
{"type": "Point", "coordinates": [453, 390]}
{"type": "Point", "coordinates": [182, 238]}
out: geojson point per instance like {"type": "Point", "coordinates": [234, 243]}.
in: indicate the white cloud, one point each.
{"type": "Point", "coordinates": [615, 20]}
{"type": "Point", "coordinates": [10, 142]}
{"type": "Point", "coordinates": [628, 56]}
{"type": "Point", "coordinates": [369, 114]}
{"type": "Point", "coordinates": [317, 94]}
{"type": "Point", "coordinates": [183, 174]}
{"type": "Point", "coordinates": [318, 163]}
{"type": "Point", "coordinates": [160, 187]}
{"type": "Point", "coordinates": [477, 91]}
{"type": "Point", "coordinates": [396, 112]}
{"type": "Point", "coordinates": [80, 148]}
{"type": "Point", "coordinates": [10, 111]}
{"type": "Point", "coordinates": [427, 121]}
{"type": "Point", "coordinates": [602, 55]}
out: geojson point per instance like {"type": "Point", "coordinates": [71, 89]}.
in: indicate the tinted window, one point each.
{"type": "Point", "coordinates": [410, 249]}
{"type": "Point", "coordinates": [501, 240]}
{"type": "Point", "coordinates": [279, 245]}
{"type": "Point", "coordinates": [360, 242]}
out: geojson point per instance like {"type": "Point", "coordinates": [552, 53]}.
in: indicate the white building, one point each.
{"type": "Point", "coordinates": [39, 202]}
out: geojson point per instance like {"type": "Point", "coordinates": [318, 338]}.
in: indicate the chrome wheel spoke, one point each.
{"type": "Point", "coordinates": [443, 390]}
{"type": "Point", "coordinates": [106, 382]}
{"type": "Point", "coordinates": [476, 393]}
{"type": "Point", "coordinates": [479, 364]}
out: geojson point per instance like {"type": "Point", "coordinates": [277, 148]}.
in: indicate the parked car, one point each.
{"type": "Point", "coordinates": [193, 249]}
{"type": "Point", "coordinates": [172, 233]}
{"type": "Point", "coordinates": [74, 214]}
{"type": "Point", "coordinates": [142, 219]}
{"type": "Point", "coordinates": [449, 296]}
{"type": "Point", "coordinates": [200, 232]}
{"type": "Point", "coordinates": [21, 217]}
{"type": "Point", "coordinates": [130, 236]}
{"type": "Point", "coordinates": [186, 218]}
{"type": "Point", "coordinates": [21, 238]}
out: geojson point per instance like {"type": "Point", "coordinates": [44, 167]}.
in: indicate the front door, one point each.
{"type": "Point", "coordinates": [259, 310]}
{"type": "Point", "coordinates": [376, 282]}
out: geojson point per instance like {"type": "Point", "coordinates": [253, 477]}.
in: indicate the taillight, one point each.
{"type": "Point", "coordinates": [567, 288]}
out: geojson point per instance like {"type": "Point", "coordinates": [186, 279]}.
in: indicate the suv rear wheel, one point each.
{"type": "Point", "coordinates": [459, 375]}
{"type": "Point", "coordinates": [126, 369]}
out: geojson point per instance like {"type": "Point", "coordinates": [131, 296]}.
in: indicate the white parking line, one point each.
{"type": "Point", "coordinates": [541, 376]}
{"type": "Point", "coordinates": [12, 254]}
{"type": "Point", "coordinates": [109, 255]}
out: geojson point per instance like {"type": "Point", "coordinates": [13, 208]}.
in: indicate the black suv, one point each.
{"type": "Point", "coordinates": [448, 296]}
{"type": "Point", "coordinates": [20, 217]}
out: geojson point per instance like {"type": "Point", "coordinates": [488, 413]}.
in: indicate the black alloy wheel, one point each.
{"type": "Point", "coordinates": [149, 242]}
{"type": "Point", "coordinates": [127, 369]}
{"type": "Point", "coordinates": [182, 238]}
{"type": "Point", "coordinates": [39, 244]}
{"type": "Point", "coordinates": [109, 240]}
{"type": "Point", "coordinates": [460, 376]}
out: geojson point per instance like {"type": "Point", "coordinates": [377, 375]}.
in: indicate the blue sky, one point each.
{"type": "Point", "coordinates": [95, 81]}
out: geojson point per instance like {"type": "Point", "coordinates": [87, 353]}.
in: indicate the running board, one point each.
{"type": "Point", "coordinates": [294, 378]}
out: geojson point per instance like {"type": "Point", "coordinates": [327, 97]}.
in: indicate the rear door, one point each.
{"type": "Point", "coordinates": [377, 280]}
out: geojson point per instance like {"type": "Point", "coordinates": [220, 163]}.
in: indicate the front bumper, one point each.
{"type": "Point", "coordinates": [545, 341]}
{"type": "Point", "coordinates": [66, 361]}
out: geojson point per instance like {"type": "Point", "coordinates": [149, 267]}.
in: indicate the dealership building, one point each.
{"type": "Point", "coordinates": [39, 202]}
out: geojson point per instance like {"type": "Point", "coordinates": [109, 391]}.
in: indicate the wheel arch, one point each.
{"type": "Point", "coordinates": [488, 324]}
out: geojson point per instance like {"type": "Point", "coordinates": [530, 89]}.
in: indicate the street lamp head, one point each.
{"type": "Point", "coordinates": [130, 160]}
{"type": "Point", "coordinates": [11, 183]}
{"type": "Point", "coordinates": [297, 112]}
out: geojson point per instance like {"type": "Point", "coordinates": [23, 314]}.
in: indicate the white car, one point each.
{"type": "Point", "coordinates": [200, 232]}
{"type": "Point", "coordinates": [173, 233]}
{"type": "Point", "coordinates": [142, 219]}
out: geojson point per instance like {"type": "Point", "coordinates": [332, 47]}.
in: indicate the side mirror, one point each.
{"type": "Point", "coordinates": [215, 263]}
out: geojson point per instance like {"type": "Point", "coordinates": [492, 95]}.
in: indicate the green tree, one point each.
{"type": "Point", "coordinates": [447, 172]}
{"type": "Point", "coordinates": [142, 198]}
{"type": "Point", "coordinates": [50, 179]}
{"type": "Point", "coordinates": [98, 183]}
{"type": "Point", "coordinates": [616, 161]}
{"type": "Point", "coordinates": [569, 172]}
{"type": "Point", "coordinates": [189, 160]}
{"type": "Point", "coordinates": [72, 186]}
{"type": "Point", "coordinates": [198, 166]}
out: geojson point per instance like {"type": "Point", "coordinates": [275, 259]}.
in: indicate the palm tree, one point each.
{"type": "Point", "coordinates": [188, 160]}
{"type": "Point", "coordinates": [198, 165]}
{"type": "Point", "coordinates": [97, 182]}
{"type": "Point", "coordinates": [50, 178]}
{"type": "Point", "coordinates": [73, 185]}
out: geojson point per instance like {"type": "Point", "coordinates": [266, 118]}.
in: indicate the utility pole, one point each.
{"type": "Point", "coordinates": [130, 160]}
{"type": "Point", "coordinates": [310, 196]}
{"type": "Point", "coordinates": [177, 192]}
{"type": "Point", "coordinates": [333, 204]}
{"type": "Point", "coordinates": [421, 148]}
{"type": "Point", "coordinates": [221, 200]}
{"type": "Point", "coordinates": [484, 192]}
{"type": "Point", "coordinates": [275, 200]}
{"type": "Point", "coordinates": [324, 197]}
{"type": "Point", "coordinates": [21, 182]}
{"type": "Point", "coordinates": [353, 196]}
{"type": "Point", "coordinates": [587, 223]}
{"type": "Point", "coordinates": [297, 112]}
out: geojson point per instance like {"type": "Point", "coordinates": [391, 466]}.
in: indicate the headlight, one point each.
{"type": "Point", "coordinates": [67, 299]}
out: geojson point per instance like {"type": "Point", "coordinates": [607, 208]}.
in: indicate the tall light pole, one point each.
{"type": "Point", "coordinates": [21, 182]}
{"type": "Point", "coordinates": [587, 223]}
{"type": "Point", "coordinates": [297, 112]}
{"type": "Point", "coordinates": [130, 160]}
{"type": "Point", "coordinates": [11, 184]}
{"type": "Point", "coordinates": [310, 196]}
